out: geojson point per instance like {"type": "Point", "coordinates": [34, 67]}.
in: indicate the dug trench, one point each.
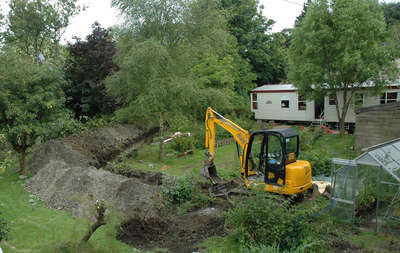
{"type": "Point", "coordinates": [73, 173]}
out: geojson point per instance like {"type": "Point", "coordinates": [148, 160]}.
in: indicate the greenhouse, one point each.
{"type": "Point", "coordinates": [369, 186]}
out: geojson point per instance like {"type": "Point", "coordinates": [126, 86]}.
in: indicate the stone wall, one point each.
{"type": "Point", "coordinates": [377, 124]}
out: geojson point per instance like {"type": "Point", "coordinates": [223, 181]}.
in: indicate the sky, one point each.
{"type": "Point", "coordinates": [283, 12]}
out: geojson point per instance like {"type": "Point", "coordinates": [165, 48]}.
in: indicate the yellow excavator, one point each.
{"type": "Point", "coordinates": [268, 158]}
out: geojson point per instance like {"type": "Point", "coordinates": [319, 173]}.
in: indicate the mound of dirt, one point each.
{"type": "Point", "coordinates": [77, 188]}
{"type": "Point", "coordinates": [95, 148]}
{"type": "Point", "coordinates": [67, 178]}
{"type": "Point", "coordinates": [177, 233]}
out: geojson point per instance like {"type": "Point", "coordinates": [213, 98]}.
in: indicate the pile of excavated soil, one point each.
{"type": "Point", "coordinates": [177, 234]}
{"type": "Point", "coordinates": [67, 179]}
{"type": "Point", "coordinates": [69, 176]}
{"type": "Point", "coordinates": [95, 148]}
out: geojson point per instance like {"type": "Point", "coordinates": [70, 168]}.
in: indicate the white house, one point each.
{"type": "Point", "coordinates": [280, 102]}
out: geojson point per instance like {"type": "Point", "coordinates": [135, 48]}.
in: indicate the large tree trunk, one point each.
{"type": "Point", "coordinates": [341, 114]}
{"type": "Point", "coordinates": [161, 134]}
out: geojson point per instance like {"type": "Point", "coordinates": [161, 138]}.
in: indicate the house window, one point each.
{"type": "Point", "coordinates": [302, 103]}
{"type": "Point", "coordinates": [254, 101]}
{"type": "Point", "coordinates": [284, 103]}
{"type": "Point", "coordinates": [388, 97]}
{"type": "Point", "coordinates": [332, 99]}
{"type": "Point", "coordinates": [358, 100]}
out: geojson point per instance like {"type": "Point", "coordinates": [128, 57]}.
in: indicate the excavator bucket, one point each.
{"type": "Point", "coordinates": [220, 187]}
{"type": "Point", "coordinates": [209, 172]}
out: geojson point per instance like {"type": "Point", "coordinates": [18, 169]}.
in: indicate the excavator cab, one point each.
{"type": "Point", "coordinates": [271, 160]}
{"type": "Point", "coordinates": [269, 152]}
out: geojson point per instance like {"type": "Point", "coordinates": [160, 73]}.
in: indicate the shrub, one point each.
{"type": "Point", "coordinates": [320, 162]}
{"type": "Point", "coordinates": [261, 219]}
{"type": "Point", "coordinates": [177, 190]}
{"type": "Point", "coordinates": [183, 144]}
{"type": "Point", "coordinates": [182, 191]}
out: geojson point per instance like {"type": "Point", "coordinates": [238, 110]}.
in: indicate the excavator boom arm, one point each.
{"type": "Point", "coordinates": [213, 118]}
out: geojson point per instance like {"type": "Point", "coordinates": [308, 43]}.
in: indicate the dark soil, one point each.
{"type": "Point", "coordinates": [177, 233]}
{"type": "Point", "coordinates": [147, 177]}
{"type": "Point", "coordinates": [107, 143]}
{"type": "Point", "coordinates": [344, 246]}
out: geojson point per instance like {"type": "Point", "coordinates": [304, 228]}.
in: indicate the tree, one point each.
{"type": "Point", "coordinates": [31, 99]}
{"type": "Point", "coordinates": [391, 11]}
{"type": "Point", "coordinates": [174, 58]}
{"type": "Point", "coordinates": [303, 13]}
{"type": "Point", "coordinates": [341, 46]}
{"type": "Point", "coordinates": [88, 64]}
{"type": "Point", "coordinates": [255, 43]}
{"type": "Point", "coordinates": [36, 26]}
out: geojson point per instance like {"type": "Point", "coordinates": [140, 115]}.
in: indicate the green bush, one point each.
{"type": "Point", "coordinates": [177, 190]}
{"type": "Point", "coordinates": [182, 191]}
{"type": "Point", "coordinates": [307, 245]}
{"type": "Point", "coordinates": [183, 144]}
{"type": "Point", "coordinates": [261, 219]}
{"type": "Point", "coordinates": [265, 219]}
{"type": "Point", "coordinates": [199, 138]}
{"type": "Point", "coordinates": [320, 162]}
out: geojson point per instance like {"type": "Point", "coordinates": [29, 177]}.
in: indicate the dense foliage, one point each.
{"type": "Point", "coordinates": [31, 101]}
{"type": "Point", "coordinates": [176, 61]}
{"type": "Point", "coordinates": [88, 64]}
{"type": "Point", "coordinates": [263, 219]}
{"type": "Point", "coordinates": [255, 43]}
{"type": "Point", "coordinates": [391, 11]}
{"type": "Point", "coordinates": [36, 27]}
{"type": "Point", "coordinates": [341, 45]}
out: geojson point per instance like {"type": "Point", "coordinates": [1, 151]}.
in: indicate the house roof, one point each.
{"type": "Point", "coordinates": [274, 88]}
{"type": "Point", "coordinates": [271, 88]}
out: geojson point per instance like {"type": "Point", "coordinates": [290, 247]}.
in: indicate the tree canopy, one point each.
{"type": "Point", "coordinates": [391, 12]}
{"type": "Point", "coordinates": [255, 43]}
{"type": "Point", "coordinates": [175, 59]}
{"type": "Point", "coordinates": [31, 101]}
{"type": "Point", "coordinates": [87, 65]}
{"type": "Point", "coordinates": [341, 45]}
{"type": "Point", "coordinates": [35, 27]}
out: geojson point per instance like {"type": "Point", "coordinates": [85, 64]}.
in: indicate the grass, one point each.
{"type": "Point", "coordinates": [40, 229]}
{"type": "Point", "coordinates": [226, 160]}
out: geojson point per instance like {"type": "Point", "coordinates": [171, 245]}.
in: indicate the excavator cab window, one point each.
{"type": "Point", "coordinates": [275, 169]}
{"type": "Point", "coordinates": [292, 145]}
{"type": "Point", "coordinates": [257, 154]}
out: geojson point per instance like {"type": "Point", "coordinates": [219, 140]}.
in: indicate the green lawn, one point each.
{"type": "Point", "coordinates": [327, 146]}
{"type": "Point", "coordinates": [226, 160]}
{"type": "Point", "coordinates": [40, 229]}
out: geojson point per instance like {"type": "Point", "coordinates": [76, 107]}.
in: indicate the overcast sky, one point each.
{"type": "Point", "coordinates": [284, 12]}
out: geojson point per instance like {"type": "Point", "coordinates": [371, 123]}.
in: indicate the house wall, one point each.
{"type": "Point", "coordinates": [377, 124]}
{"type": "Point", "coordinates": [269, 107]}
{"type": "Point", "coordinates": [370, 99]}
